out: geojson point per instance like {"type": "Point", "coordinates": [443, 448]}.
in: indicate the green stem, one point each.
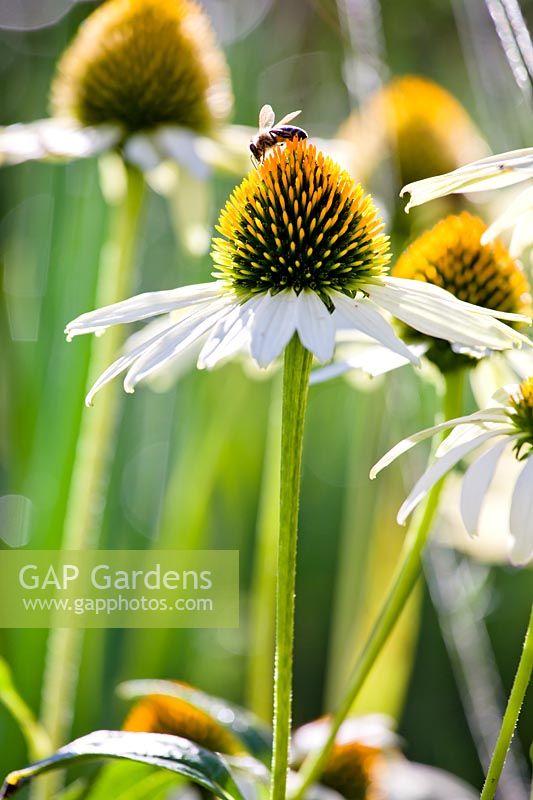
{"type": "Point", "coordinates": [294, 403]}
{"type": "Point", "coordinates": [262, 615]}
{"type": "Point", "coordinates": [512, 712]}
{"type": "Point", "coordinates": [94, 448]}
{"type": "Point", "coordinates": [403, 583]}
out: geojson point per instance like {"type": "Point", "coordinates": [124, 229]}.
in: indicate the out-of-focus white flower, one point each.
{"type": "Point", "coordinates": [507, 423]}
{"type": "Point", "coordinates": [366, 764]}
{"type": "Point", "coordinates": [146, 77]}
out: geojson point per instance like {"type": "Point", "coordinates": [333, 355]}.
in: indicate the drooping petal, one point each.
{"type": "Point", "coordinates": [493, 172]}
{"type": "Point", "coordinates": [362, 315]}
{"type": "Point", "coordinates": [522, 236]}
{"type": "Point", "coordinates": [504, 394]}
{"type": "Point", "coordinates": [229, 336]}
{"type": "Point", "coordinates": [141, 149]}
{"type": "Point", "coordinates": [437, 470]}
{"type": "Point", "coordinates": [521, 517]}
{"type": "Point", "coordinates": [272, 325]}
{"type": "Point", "coordinates": [54, 138]}
{"type": "Point", "coordinates": [175, 341]}
{"type": "Point", "coordinates": [436, 293]}
{"type": "Point", "coordinates": [183, 146]}
{"type": "Point", "coordinates": [476, 483]}
{"type": "Point", "coordinates": [435, 312]}
{"type": "Point", "coordinates": [406, 444]}
{"type": "Point", "coordinates": [400, 779]}
{"type": "Point", "coordinates": [131, 354]}
{"type": "Point", "coordinates": [315, 326]}
{"type": "Point", "coordinates": [142, 306]}
{"type": "Point", "coordinates": [463, 433]}
{"type": "Point", "coordinates": [519, 206]}
{"type": "Point", "coordinates": [365, 354]}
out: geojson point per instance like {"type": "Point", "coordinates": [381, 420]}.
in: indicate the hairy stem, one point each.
{"type": "Point", "coordinates": [512, 712]}
{"type": "Point", "coordinates": [294, 403]}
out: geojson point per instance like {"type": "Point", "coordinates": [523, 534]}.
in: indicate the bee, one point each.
{"type": "Point", "coordinates": [270, 135]}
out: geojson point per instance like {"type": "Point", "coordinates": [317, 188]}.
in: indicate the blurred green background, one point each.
{"type": "Point", "coordinates": [188, 464]}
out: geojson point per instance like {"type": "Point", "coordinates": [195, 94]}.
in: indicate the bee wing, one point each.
{"type": "Point", "coordinates": [288, 117]}
{"type": "Point", "coordinates": [266, 117]}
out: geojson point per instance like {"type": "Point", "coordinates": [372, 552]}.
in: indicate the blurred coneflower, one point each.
{"type": "Point", "coordinates": [452, 256]}
{"type": "Point", "coordinates": [144, 76]}
{"type": "Point", "coordinates": [301, 251]}
{"type": "Point", "coordinates": [417, 122]}
{"type": "Point", "coordinates": [365, 763]}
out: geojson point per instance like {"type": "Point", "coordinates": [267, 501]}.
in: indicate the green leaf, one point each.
{"type": "Point", "coordinates": [254, 735]}
{"type": "Point", "coordinates": [36, 738]}
{"type": "Point", "coordinates": [172, 753]}
{"type": "Point", "coordinates": [125, 780]}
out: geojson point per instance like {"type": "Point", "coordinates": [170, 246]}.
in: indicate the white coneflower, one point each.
{"type": "Point", "coordinates": [453, 256]}
{"type": "Point", "coordinates": [495, 172]}
{"type": "Point", "coordinates": [144, 76]}
{"type": "Point", "coordinates": [301, 251]}
{"type": "Point", "coordinates": [365, 763]}
{"type": "Point", "coordinates": [508, 422]}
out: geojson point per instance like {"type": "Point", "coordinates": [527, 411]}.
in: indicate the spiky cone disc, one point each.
{"type": "Point", "coordinates": [451, 255]}
{"type": "Point", "coordinates": [172, 715]}
{"type": "Point", "coordinates": [142, 63]}
{"type": "Point", "coordinates": [419, 123]}
{"type": "Point", "coordinates": [299, 222]}
{"type": "Point", "coordinates": [522, 417]}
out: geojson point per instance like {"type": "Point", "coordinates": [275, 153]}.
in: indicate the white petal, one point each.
{"type": "Point", "coordinates": [520, 205]}
{"type": "Point", "coordinates": [272, 325]}
{"type": "Point", "coordinates": [436, 471]}
{"type": "Point", "coordinates": [141, 149]}
{"type": "Point", "coordinates": [229, 336]}
{"type": "Point", "coordinates": [400, 779]}
{"type": "Point", "coordinates": [143, 306]}
{"type": "Point", "coordinates": [315, 326]}
{"type": "Point", "coordinates": [130, 355]}
{"type": "Point", "coordinates": [476, 483]}
{"type": "Point", "coordinates": [440, 314]}
{"type": "Point", "coordinates": [521, 518]}
{"type": "Point", "coordinates": [367, 355]}
{"type": "Point", "coordinates": [463, 433]}
{"type": "Point", "coordinates": [175, 341]}
{"type": "Point", "coordinates": [329, 372]}
{"type": "Point", "coordinates": [436, 293]}
{"type": "Point", "coordinates": [522, 237]}
{"type": "Point", "coordinates": [363, 316]}
{"type": "Point", "coordinates": [504, 394]}
{"type": "Point", "coordinates": [54, 138]}
{"type": "Point", "coordinates": [406, 444]}
{"type": "Point", "coordinates": [183, 146]}
{"type": "Point", "coordinates": [493, 172]}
